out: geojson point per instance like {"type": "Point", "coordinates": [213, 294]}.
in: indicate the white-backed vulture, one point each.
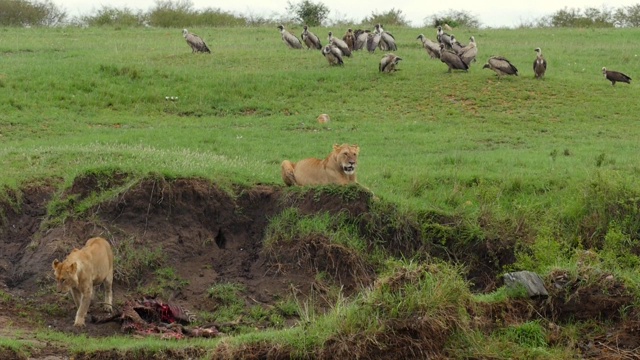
{"type": "Point", "coordinates": [453, 60]}
{"type": "Point", "coordinates": [291, 41]}
{"type": "Point", "coordinates": [443, 38]}
{"type": "Point", "coordinates": [455, 45]}
{"type": "Point", "coordinates": [388, 63]}
{"type": "Point", "coordinates": [361, 39]}
{"type": "Point", "coordinates": [469, 52]}
{"type": "Point", "coordinates": [432, 48]}
{"type": "Point", "coordinates": [340, 44]}
{"type": "Point", "coordinates": [615, 76]}
{"type": "Point", "coordinates": [387, 41]}
{"type": "Point", "coordinates": [196, 43]}
{"type": "Point", "coordinates": [539, 64]}
{"type": "Point", "coordinates": [349, 38]}
{"type": "Point", "coordinates": [332, 54]}
{"type": "Point", "coordinates": [310, 39]}
{"type": "Point", "coordinates": [372, 41]}
{"type": "Point", "coordinates": [501, 66]}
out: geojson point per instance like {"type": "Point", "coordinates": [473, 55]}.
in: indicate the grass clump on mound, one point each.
{"type": "Point", "coordinates": [413, 308]}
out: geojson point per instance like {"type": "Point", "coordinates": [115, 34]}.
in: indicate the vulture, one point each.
{"type": "Point", "coordinates": [443, 38]}
{"type": "Point", "coordinates": [469, 52]}
{"type": "Point", "coordinates": [310, 39]}
{"type": "Point", "coordinates": [372, 42]}
{"type": "Point", "coordinates": [291, 41]}
{"type": "Point", "coordinates": [388, 63]}
{"type": "Point", "coordinates": [539, 64]}
{"type": "Point", "coordinates": [340, 44]}
{"type": "Point", "coordinates": [455, 45]}
{"type": "Point", "coordinates": [349, 38]}
{"type": "Point", "coordinates": [453, 60]}
{"type": "Point", "coordinates": [387, 41]}
{"type": "Point", "coordinates": [614, 76]}
{"type": "Point", "coordinates": [501, 66]}
{"type": "Point", "coordinates": [361, 37]}
{"type": "Point", "coordinates": [196, 43]}
{"type": "Point", "coordinates": [333, 55]}
{"type": "Point", "coordinates": [432, 48]}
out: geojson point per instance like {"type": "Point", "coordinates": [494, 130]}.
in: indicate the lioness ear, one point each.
{"type": "Point", "coordinates": [55, 263]}
{"type": "Point", "coordinates": [336, 147]}
{"type": "Point", "coordinates": [73, 267]}
{"type": "Point", "coordinates": [356, 148]}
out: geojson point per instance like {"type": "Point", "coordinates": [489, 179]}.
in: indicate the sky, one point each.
{"type": "Point", "coordinates": [491, 13]}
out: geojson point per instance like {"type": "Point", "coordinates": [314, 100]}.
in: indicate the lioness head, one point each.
{"type": "Point", "coordinates": [347, 156]}
{"type": "Point", "coordinates": [66, 275]}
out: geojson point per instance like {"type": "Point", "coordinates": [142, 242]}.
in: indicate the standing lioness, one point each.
{"type": "Point", "coordinates": [338, 168]}
{"type": "Point", "coordinates": [82, 270]}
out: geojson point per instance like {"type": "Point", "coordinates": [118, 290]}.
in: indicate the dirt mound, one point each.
{"type": "Point", "coordinates": [206, 234]}
{"type": "Point", "coordinates": [210, 236]}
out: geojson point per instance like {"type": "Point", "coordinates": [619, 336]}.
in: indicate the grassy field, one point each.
{"type": "Point", "coordinates": [97, 97]}
{"type": "Point", "coordinates": [547, 153]}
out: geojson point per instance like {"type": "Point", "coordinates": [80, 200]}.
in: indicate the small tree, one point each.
{"type": "Point", "coordinates": [627, 16]}
{"type": "Point", "coordinates": [168, 13]}
{"type": "Point", "coordinates": [33, 13]}
{"type": "Point", "coordinates": [308, 13]}
{"type": "Point", "coordinates": [591, 17]}
{"type": "Point", "coordinates": [114, 17]}
{"type": "Point", "coordinates": [454, 18]}
{"type": "Point", "coordinates": [392, 17]}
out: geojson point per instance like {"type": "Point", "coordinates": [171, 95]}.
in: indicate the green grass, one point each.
{"type": "Point", "coordinates": [554, 161]}
{"type": "Point", "coordinates": [78, 99]}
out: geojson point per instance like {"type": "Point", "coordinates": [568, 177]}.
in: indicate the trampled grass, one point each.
{"type": "Point", "coordinates": [546, 153]}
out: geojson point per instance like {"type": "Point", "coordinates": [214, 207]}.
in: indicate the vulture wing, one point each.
{"type": "Point", "coordinates": [197, 44]}
{"type": "Point", "coordinates": [503, 65]}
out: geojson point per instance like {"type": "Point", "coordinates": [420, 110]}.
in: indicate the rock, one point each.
{"type": "Point", "coordinates": [530, 280]}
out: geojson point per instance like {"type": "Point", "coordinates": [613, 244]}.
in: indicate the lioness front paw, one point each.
{"type": "Point", "coordinates": [79, 323]}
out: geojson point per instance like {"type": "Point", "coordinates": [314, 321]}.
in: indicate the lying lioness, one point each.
{"type": "Point", "coordinates": [82, 270]}
{"type": "Point", "coordinates": [338, 168]}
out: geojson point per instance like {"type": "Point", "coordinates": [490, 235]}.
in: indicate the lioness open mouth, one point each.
{"type": "Point", "coordinates": [348, 169]}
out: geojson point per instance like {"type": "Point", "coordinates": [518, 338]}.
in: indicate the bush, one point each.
{"type": "Point", "coordinates": [392, 17]}
{"type": "Point", "coordinates": [28, 13]}
{"type": "Point", "coordinates": [628, 16]}
{"type": "Point", "coordinates": [178, 14]}
{"type": "Point", "coordinates": [217, 17]}
{"type": "Point", "coordinates": [114, 17]}
{"type": "Point", "coordinates": [454, 18]}
{"type": "Point", "coordinates": [589, 17]}
{"type": "Point", "coordinates": [308, 13]}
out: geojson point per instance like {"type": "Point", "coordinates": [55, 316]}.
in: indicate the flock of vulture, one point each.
{"type": "Point", "coordinates": [447, 48]}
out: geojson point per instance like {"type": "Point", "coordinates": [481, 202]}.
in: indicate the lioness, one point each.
{"type": "Point", "coordinates": [82, 270]}
{"type": "Point", "coordinates": [338, 168]}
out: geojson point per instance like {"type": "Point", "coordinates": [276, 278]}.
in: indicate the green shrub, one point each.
{"type": "Point", "coordinates": [307, 12]}
{"type": "Point", "coordinates": [111, 16]}
{"type": "Point", "coordinates": [392, 17]}
{"type": "Point", "coordinates": [453, 18]}
{"type": "Point", "coordinates": [30, 13]}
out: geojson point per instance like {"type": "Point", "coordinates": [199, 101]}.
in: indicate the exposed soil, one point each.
{"type": "Point", "coordinates": [209, 236]}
